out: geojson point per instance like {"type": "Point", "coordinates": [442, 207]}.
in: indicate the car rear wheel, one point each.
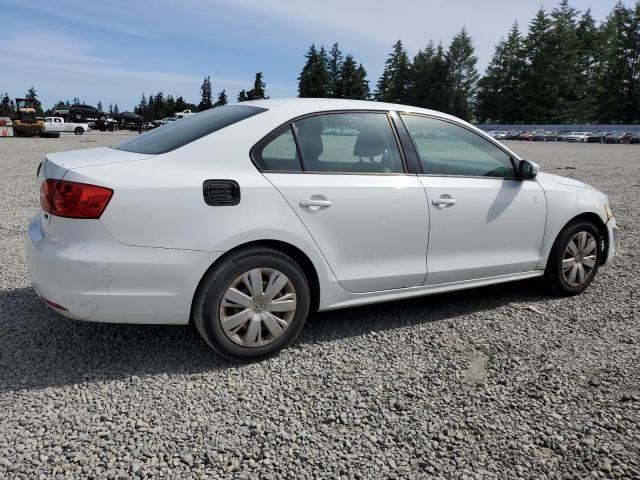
{"type": "Point", "coordinates": [574, 258]}
{"type": "Point", "coordinates": [78, 131]}
{"type": "Point", "coordinates": [252, 305]}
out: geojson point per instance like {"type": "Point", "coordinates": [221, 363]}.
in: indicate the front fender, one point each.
{"type": "Point", "coordinates": [565, 203]}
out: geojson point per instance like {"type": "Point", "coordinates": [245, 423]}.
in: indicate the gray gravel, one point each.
{"type": "Point", "coordinates": [499, 382]}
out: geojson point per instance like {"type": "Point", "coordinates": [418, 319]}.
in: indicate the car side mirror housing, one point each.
{"type": "Point", "coordinates": [527, 170]}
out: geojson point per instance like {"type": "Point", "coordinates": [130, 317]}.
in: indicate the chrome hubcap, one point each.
{"type": "Point", "coordinates": [579, 258]}
{"type": "Point", "coordinates": [258, 307]}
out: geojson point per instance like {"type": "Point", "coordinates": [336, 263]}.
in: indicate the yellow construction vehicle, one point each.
{"type": "Point", "coordinates": [26, 123]}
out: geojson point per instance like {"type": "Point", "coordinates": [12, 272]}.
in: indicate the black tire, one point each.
{"type": "Point", "coordinates": [208, 300]}
{"type": "Point", "coordinates": [50, 134]}
{"type": "Point", "coordinates": [78, 131]}
{"type": "Point", "coordinates": [553, 276]}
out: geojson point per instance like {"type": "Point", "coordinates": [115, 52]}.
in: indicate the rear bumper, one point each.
{"type": "Point", "coordinates": [102, 280]}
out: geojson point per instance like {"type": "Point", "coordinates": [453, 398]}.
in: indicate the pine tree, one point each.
{"type": "Point", "coordinates": [614, 78]}
{"type": "Point", "coordinates": [334, 69]}
{"type": "Point", "coordinates": [6, 106]}
{"type": "Point", "coordinates": [169, 106]}
{"type": "Point", "coordinates": [205, 94]}
{"type": "Point", "coordinates": [222, 99]}
{"type": "Point", "coordinates": [181, 105]}
{"type": "Point", "coordinates": [141, 108]}
{"type": "Point", "coordinates": [116, 110]}
{"type": "Point", "coordinates": [314, 79]}
{"type": "Point", "coordinates": [347, 84]}
{"type": "Point", "coordinates": [242, 96]}
{"type": "Point", "coordinates": [462, 75]}
{"type": "Point", "coordinates": [149, 112]}
{"type": "Point", "coordinates": [633, 47]}
{"type": "Point", "coordinates": [111, 110]}
{"type": "Point", "coordinates": [33, 95]}
{"type": "Point", "coordinates": [564, 63]}
{"type": "Point", "coordinates": [395, 81]}
{"type": "Point", "coordinates": [500, 90]}
{"type": "Point", "coordinates": [258, 90]}
{"type": "Point", "coordinates": [589, 54]}
{"type": "Point", "coordinates": [99, 106]}
{"type": "Point", "coordinates": [538, 82]}
{"type": "Point", "coordinates": [429, 86]}
{"type": "Point", "coordinates": [363, 90]}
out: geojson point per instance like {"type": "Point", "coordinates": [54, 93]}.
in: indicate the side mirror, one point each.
{"type": "Point", "coordinates": [527, 170]}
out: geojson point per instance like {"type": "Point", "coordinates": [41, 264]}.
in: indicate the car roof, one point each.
{"type": "Point", "coordinates": [302, 106]}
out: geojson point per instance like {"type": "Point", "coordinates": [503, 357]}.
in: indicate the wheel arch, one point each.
{"type": "Point", "coordinates": [295, 253]}
{"type": "Point", "coordinates": [600, 225]}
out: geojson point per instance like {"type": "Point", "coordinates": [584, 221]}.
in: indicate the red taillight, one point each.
{"type": "Point", "coordinates": [74, 200]}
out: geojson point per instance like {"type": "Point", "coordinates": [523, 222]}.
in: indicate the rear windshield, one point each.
{"type": "Point", "coordinates": [186, 130]}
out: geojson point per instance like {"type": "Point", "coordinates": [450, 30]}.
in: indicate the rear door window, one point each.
{"type": "Point", "coordinates": [187, 130]}
{"type": "Point", "coordinates": [349, 142]}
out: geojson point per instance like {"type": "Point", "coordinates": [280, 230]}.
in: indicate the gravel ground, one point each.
{"type": "Point", "coordinates": [501, 382]}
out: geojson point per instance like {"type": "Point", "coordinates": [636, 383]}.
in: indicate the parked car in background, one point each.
{"type": "Point", "coordinates": [128, 120]}
{"type": "Point", "coordinates": [79, 112]}
{"type": "Point", "coordinates": [635, 138]}
{"type": "Point", "coordinates": [511, 135]}
{"type": "Point", "coordinates": [596, 137]}
{"type": "Point", "coordinates": [525, 135]}
{"type": "Point", "coordinates": [497, 134]}
{"type": "Point", "coordinates": [166, 120]}
{"type": "Point", "coordinates": [500, 135]}
{"type": "Point", "coordinates": [618, 137]}
{"type": "Point", "coordinates": [579, 137]}
{"type": "Point", "coordinates": [245, 218]}
{"type": "Point", "coordinates": [539, 136]}
{"type": "Point", "coordinates": [57, 124]}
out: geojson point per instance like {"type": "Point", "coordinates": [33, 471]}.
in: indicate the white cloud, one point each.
{"type": "Point", "coordinates": [103, 15]}
{"type": "Point", "coordinates": [50, 45]}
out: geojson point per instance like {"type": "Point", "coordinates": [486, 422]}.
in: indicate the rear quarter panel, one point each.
{"type": "Point", "coordinates": [159, 202]}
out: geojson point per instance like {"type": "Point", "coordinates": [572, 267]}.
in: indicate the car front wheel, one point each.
{"type": "Point", "coordinates": [574, 258]}
{"type": "Point", "coordinates": [253, 304]}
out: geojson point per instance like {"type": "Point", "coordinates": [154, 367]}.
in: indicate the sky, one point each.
{"type": "Point", "coordinates": [113, 51]}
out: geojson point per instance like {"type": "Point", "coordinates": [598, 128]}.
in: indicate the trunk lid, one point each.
{"type": "Point", "coordinates": [57, 164]}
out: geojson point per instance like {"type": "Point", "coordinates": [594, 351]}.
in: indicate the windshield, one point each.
{"type": "Point", "coordinates": [188, 129]}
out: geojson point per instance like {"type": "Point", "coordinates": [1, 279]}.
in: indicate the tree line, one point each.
{"type": "Point", "coordinates": [565, 68]}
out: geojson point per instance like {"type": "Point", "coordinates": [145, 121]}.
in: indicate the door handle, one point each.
{"type": "Point", "coordinates": [315, 203]}
{"type": "Point", "coordinates": [446, 200]}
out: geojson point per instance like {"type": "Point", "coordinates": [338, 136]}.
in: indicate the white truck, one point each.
{"type": "Point", "coordinates": [57, 124]}
{"type": "Point", "coordinates": [182, 114]}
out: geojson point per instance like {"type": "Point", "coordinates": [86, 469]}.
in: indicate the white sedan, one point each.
{"type": "Point", "coordinates": [245, 218]}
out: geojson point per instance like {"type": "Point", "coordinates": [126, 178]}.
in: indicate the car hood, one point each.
{"type": "Point", "coordinates": [570, 182]}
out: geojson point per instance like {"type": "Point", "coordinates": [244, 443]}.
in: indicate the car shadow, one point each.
{"type": "Point", "coordinates": [39, 348]}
